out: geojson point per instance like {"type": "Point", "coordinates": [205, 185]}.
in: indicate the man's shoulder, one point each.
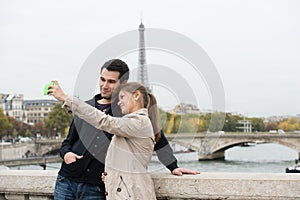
{"type": "Point", "coordinates": [93, 100]}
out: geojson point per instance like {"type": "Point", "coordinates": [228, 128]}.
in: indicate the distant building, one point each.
{"type": "Point", "coordinates": [37, 110]}
{"type": "Point", "coordinates": [188, 109]}
{"type": "Point", "coordinates": [12, 105]}
{"type": "Point", "coordinates": [245, 125]}
{"type": "Point", "coordinates": [276, 118]}
{"type": "Point", "coordinates": [27, 111]}
{"type": "Point", "coordinates": [2, 105]}
{"type": "Point", "coordinates": [234, 114]}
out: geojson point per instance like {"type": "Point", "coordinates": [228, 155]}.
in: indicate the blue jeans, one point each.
{"type": "Point", "coordinates": [66, 189]}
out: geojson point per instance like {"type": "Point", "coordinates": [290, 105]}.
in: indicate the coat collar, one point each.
{"type": "Point", "coordinates": [142, 111]}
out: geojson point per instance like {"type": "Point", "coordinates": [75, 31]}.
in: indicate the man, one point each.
{"type": "Point", "coordinates": [84, 154]}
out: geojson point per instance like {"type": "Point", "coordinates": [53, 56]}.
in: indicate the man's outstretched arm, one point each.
{"type": "Point", "coordinates": [165, 155]}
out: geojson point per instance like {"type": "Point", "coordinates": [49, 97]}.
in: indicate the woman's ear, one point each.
{"type": "Point", "coordinates": [137, 95]}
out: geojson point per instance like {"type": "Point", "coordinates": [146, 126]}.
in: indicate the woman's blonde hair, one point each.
{"type": "Point", "coordinates": [148, 101]}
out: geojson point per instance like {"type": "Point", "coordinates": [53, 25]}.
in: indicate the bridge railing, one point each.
{"type": "Point", "coordinates": [39, 184]}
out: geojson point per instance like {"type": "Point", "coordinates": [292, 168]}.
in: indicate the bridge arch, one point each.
{"type": "Point", "coordinates": [214, 146]}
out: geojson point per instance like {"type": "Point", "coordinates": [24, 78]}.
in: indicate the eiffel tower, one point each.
{"type": "Point", "coordinates": [142, 75]}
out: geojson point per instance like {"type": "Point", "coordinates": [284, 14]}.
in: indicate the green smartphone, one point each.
{"type": "Point", "coordinates": [46, 88]}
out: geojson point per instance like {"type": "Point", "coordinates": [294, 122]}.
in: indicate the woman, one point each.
{"type": "Point", "coordinates": [131, 148]}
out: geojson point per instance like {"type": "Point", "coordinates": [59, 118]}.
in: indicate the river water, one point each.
{"type": "Point", "coordinates": [264, 158]}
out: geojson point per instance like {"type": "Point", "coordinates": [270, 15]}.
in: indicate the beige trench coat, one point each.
{"type": "Point", "coordinates": [129, 153]}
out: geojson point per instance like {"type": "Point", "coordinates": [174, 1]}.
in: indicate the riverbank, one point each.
{"type": "Point", "coordinates": [42, 161]}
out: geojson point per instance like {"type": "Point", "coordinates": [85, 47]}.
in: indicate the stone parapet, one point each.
{"type": "Point", "coordinates": [237, 186]}
{"type": "Point", "coordinates": [39, 185]}
{"type": "Point", "coordinates": [27, 184]}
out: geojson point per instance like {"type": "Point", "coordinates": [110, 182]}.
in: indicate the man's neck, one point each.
{"type": "Point", "coordinates": [104, 101]}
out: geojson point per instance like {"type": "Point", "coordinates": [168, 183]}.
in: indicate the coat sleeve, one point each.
{"type": "Point", "coordinates": [124, 126]}
{"type": "Point", "coordinates": [165, 153]}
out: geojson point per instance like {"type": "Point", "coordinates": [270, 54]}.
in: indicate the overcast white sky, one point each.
{"type": "Point", "coordinates": [254, 45]}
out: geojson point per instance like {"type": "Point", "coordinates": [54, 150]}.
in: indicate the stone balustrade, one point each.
{"type": "Point", "coordinates": [39, 185]}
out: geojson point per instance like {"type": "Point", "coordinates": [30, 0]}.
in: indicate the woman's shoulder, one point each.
{"type": "Point", "coordinates": [142, 113]}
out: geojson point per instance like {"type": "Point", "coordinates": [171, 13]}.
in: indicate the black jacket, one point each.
{"type": "Point", "coordinates": [84, 139]}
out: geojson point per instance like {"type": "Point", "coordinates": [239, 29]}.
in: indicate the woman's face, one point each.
{"type": "Point", "coordinates": [127, 102]}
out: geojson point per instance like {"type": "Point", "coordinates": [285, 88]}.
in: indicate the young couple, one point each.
{"type": "Point", "coordinates": [133, 139]}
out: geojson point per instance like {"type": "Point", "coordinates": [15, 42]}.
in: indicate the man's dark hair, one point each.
{"type": "Point", "coordinates": [119, 66]}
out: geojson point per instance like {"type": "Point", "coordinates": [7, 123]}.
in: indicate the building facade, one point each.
{"type": "Point", "coordinates": [27, 111]}
{"type": "Point", "coordinates": [37, 110]}
{"type": "Point", "coordinates": [12, 105]}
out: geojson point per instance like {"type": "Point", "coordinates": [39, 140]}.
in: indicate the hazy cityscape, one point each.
{"type": "Point", "coordinates": [34, 113]}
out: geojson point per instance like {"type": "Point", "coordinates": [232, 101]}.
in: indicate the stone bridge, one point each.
{"type": "Point", "coordinates": [30, 149]}
{"type": "Point", "coordinates": [213, 145]}
{"type": "Point", "coordinates": [208, 145]}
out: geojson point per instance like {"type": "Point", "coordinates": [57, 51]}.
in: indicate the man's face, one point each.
{"type": "Point", "coordinates": [109, 80]}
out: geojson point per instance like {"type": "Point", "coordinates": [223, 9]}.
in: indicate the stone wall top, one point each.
{"type": "Point", "coordinates": [203, 186]}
